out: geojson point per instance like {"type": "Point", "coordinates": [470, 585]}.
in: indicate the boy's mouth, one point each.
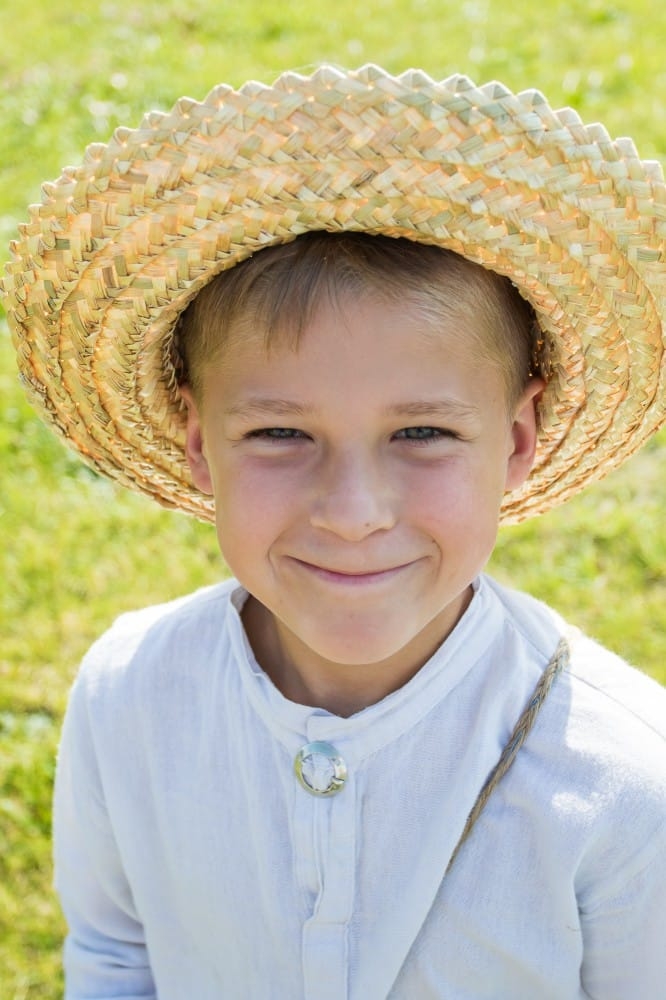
{"type": "Point", "coordinates": [351, 576]}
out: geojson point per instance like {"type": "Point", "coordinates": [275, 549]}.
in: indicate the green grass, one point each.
{"type": "Point", "coordinates": [77, 551]}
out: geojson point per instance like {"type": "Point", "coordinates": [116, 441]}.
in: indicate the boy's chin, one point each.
{"type": "Point", "coordinates": [373, 649]}
{"type": "Point", "coordinates": [388, 636]}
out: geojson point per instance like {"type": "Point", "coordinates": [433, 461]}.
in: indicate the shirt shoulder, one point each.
{"type": "Point", "coordinates": [602, 728]}
{"type": "Point", "coordinates": [624, 690]}
{"type": "Point", "coordinates": [599, 676]}
{"type": "Point", "coordinates": [164, 638]}
{"type": "Point", "coordinates": [615, 744]}
{"type": "Point", "coordinates": [595, 761]}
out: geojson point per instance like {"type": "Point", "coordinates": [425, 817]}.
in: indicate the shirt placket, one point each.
{"type": "Point", "coordinates": [325, 832]}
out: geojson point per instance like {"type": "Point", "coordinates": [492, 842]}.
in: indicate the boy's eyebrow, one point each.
{"type": "Point", "coordinates": [271, 406]}
{"type": "Point", "coordinates": [268, 406]}
{"type": "Point", "coordinates": [444, 408]}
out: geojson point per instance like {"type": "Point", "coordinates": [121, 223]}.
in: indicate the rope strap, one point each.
{"type": "Point", "coordinates": [520, 733]}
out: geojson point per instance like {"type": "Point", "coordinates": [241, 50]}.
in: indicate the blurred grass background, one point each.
{"type": "Point", "coordinates": [75, 550]}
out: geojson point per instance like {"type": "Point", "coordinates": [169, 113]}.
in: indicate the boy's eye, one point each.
{"type": "Point", "coordinates": [416, 434]}
{"type": "Point", "coordinates": [277, 433]}
{"type": "Point", "coordinates": [422, 433]}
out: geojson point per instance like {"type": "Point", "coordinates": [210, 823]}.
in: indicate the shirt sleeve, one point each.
{"type": "Point", "coordinates": [623, 933]}
{"type": "Point", "coordinates": [105, 952]}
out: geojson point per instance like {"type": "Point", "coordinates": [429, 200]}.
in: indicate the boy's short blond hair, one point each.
{"type": "Point", "coordinates": [278, 290]}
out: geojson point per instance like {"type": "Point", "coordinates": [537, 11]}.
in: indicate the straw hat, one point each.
{"type": "Point", "coordinates": [121, 244]}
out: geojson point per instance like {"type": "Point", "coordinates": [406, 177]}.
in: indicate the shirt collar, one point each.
{"type": "Point", "coordinates": [368, 731]}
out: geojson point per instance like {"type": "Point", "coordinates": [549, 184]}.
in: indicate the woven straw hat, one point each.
{"type": "Point", "coordinates": [120, 245]}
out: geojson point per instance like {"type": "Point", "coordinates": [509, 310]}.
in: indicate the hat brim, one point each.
{"type": "Point", "coordinates": [121, 244]}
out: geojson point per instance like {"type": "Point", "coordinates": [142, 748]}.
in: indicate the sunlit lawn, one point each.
{"type": "Point", "coordinates": [76, 551]}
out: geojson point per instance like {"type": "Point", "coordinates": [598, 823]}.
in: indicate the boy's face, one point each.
{"type": "Point", "coordinates": [357, 481]}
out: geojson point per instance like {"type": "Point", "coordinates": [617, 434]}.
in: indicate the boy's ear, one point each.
{"type": "Point", "coordinates": [524, 435]}
{"type": "Point", "coordinates": [194, 445]}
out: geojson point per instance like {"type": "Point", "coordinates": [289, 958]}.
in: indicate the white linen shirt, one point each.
{"type": "Point", "coordinates": [192, 865]}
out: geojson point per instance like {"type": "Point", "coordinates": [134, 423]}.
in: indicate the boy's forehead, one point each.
{"type": "Point", "coordinates": [388, 348]}
{"type": "Point", "coordinates": [334, 319]}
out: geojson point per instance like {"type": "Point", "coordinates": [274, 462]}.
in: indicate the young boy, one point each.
{"type": "Point", "coordinates": [361, 768]}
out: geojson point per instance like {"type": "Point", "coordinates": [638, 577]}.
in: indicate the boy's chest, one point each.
{"type": "Point", "coordinates": [344, 896]}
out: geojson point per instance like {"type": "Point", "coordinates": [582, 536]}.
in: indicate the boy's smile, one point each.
{"type": "Point", "coordinates": [357, 479]}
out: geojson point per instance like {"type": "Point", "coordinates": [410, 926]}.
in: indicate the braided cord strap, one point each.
{"type": "Point", "coordinates": [520, 733]}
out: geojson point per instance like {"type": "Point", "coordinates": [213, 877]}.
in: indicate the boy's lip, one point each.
{"type": "Point", "coordinates": [353, 576]}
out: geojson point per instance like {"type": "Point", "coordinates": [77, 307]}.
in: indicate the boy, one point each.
{"type": "Point", "coordinates": [361, 769]}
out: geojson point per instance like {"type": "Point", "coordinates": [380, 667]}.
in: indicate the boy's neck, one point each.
{"type": "Point", "coordinates": [343, 689]}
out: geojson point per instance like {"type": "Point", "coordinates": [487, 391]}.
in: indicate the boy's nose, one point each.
{"type": "Point", "coordinates": [353, 499]}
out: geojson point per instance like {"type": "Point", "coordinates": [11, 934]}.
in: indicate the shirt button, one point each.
{"type": "Point", "coordinates": [320, 769]}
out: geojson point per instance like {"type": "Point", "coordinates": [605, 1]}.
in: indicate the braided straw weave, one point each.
{"type": "Point", "coordinates": [122, 243]}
